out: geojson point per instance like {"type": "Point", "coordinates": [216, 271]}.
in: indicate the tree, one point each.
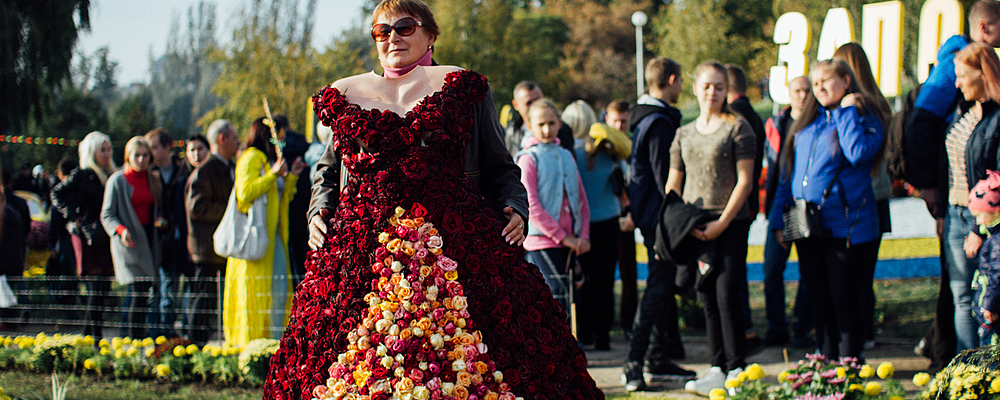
{"type": "Point", "coordinates": [134, 115]}
{"type": "Point", "coordinates": [502, 42]}
{"type": "Point", "coordinates": [728, 31]}
{"type": "Point", "coordinates": [599, 54]}
{"type": "Point", "coordinates": [270, 56]}
{"type": "Point", "coordinates": [36, 48]}
{"type": "Point", "coordinates": [72, 116]}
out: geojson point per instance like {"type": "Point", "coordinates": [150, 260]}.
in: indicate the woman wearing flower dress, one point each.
{"type": "Point", "coordinates": [131, 215]}
{"type": "Point", "coordinates": [418, 287]}
{"type": "Point", "coordinates": [74, 198]}
{"type": "Point", "coordinates": [711, 166]}
{"type": "Point", "coordinates": [258, 292]}
{"type": "Point", "coordinates": [832, 148]}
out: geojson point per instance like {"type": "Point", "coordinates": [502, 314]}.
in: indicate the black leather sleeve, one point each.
{"type": "Point", "coordinates": [326, 184]}
{"type": "Point", "coordinates": [500, 181]}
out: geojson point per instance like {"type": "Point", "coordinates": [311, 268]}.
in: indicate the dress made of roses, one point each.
{"type": "Point", "coordinates": [376, 318]}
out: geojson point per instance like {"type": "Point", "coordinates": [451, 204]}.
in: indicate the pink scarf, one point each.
{"type": "Point", "coordinates": [398, 72]}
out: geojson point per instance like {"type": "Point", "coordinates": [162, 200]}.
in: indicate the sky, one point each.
{"type": "Point", "coordinates": [132, 29]}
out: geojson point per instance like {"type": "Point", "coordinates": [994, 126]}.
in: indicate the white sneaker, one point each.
{"type": "Point", "coordinates": [732, 375]}
{"type": "Point", "coordinates": [712, 378]}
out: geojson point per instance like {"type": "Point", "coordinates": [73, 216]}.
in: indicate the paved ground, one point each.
{"type": "Point", "coordinates": [606, 366]}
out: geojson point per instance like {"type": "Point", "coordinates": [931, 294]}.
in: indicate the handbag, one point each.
{"type": "Point", "coordinates": [802, 219]}
{"type": "Point", "coordinates": [7, 297]}
{"type": "Point", "coordinates": [242, 236]}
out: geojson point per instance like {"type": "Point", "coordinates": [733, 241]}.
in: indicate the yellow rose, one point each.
{"type": "Point", "coordinates": [163, 370]}
{"type": "Point", "coordinates": [89, 364]}
{"type": "Point", "coordinates": [399, 211]}
{"type": "Point", "coordinates": [866, 371]}
{"type": "Point", "coordinates": [717, 394]}
{"type": "Point", "coordinates": [161, 339]}
{"type": "Point", "coordinates": [885, 370]}
{"type": "Point", "coordinates": [921, 379]}
{"type": "Point", "coordinates": [872, 389]}
{"type": "Point", "coordinates": [733, 383]}
{"type": "Point", "coordinates": [755, 372]}
{"type": "Point", "coordinates": [451, 275]}
{"type": "Point", "coordinates": [179, 351]}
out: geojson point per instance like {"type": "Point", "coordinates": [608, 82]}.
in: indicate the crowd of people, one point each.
{"type": "Point", "coordinates": [396, 225]}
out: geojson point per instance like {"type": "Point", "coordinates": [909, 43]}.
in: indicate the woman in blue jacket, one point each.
{"type": "Point", "coordinates": [834, 145]}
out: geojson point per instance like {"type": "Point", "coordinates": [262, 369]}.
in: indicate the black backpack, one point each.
{"type": "Point", "coordinates": [895, 141]}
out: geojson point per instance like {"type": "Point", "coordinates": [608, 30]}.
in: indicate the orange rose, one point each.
{"type": "Point", "coordinates": [395, 279]}
{"type": "Point", "coordinates": [425, 271]}
{"type": "Point", "coordinates": [392, 297]}
{"type": "Point", "coordinates": [394, 244]}
{"type": "Point", "coordinates": [424, 323]}
{"type": "Point", "coordinates": [463, 378]}
{"type": "Point", "coordinates": [459, 353]}
{"type": "Point", "coordinates": [433, 232]}
{"type": "Point", "coordinates": [481, 367]}
{"type": "Point", "coordinates": [339, 389]}
{"type": "Point", "coordinates": [491, 396]}
{"type": "Point", "coordinates": [461, 393]}
{"type": "Point", "coordinates": [406, 333]}
{"type": "Point", "coordinates": [477, 379]}
{"type": "Point", "coordinates": [436, 251]}
{"type": "Point", "coordinates": [404, 293]}
{"type": "Point", "coordinates": [448, 303]}
{"type": "Point", "coordinates": [404, 385]}
{"type": "Point", "coordinates": [466, 339]}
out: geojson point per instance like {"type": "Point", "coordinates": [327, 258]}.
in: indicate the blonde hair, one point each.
{"type": "Point", "coordinates": [133, 145]}
{"type": "Point", "coordinates": [544, 103]}
{"type": "Point", "coordinates": [579, 116]}
{"type": "Point", "coordinates": [89, 146]}
{"type": "Point", "coordinates": [984, 59]}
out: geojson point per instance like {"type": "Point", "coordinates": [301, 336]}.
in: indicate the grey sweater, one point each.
{"type": "Point", "coordinates": [130, 263]}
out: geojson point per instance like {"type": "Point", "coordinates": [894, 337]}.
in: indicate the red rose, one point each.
{"type": "Point", "coordinates": [414, 169]}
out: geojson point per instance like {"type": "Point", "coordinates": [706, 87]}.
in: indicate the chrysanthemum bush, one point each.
{"type": "Point", "coordinates": [175, 360]}
{"type": "Point", "coordinates": [817, 378]}
{"type": "Point", "coordinates": [971, 375]}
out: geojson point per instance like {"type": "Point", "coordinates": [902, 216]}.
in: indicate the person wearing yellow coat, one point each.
{"type": "Point", "coordinates": [258, 293]}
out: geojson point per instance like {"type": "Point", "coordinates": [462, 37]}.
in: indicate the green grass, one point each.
{"type": "Point", "coordinates": [29, 386]}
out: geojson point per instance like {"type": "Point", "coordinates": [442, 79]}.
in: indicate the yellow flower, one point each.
{"type": "Point", "coordinates": [179, 351]}
{"type": "Point", "coordinates": [733, 383]}
{"type": "Point", "coordinates": [27, 343]}
{"type": "Point", "coordinates": [216, 350]}
{"type": "Point", "coordinates": [855, 386]}
{"type": "Point", "coordinates": [921, 379]}
{"type": "Point", "coordinates": [147, 342]}
{"type": "Point", "coordinates": [754, 372]}
{"type": "Point", "coordinates": [127, 340]}
{"type": "Point", "coordinates": [783, 377]}
{"type": "Point", "coordinates": [872, 389]}
{"type": "Point", "coordinates": [995, 386]}
{"type": "Point", "coordinates": [161, 339]}
{"type": "Point", "coordinates": [866, 371]}
{"type": "Point", "coordinates": [163, 370]}
{"type": "Point", "coordinates": [896, 398]}
{"type": "Point", "coordinates": [149, 351]}
{"type": "Point", "coordinates": [88, 340]}
{"type": "Point", "coordinates": [841, 372]}
{"type": "Point", "coordinates": [104, 343]}
{"type": "Point", "coordinates": [119, 353]}
{"type": "Point", "coordinates": [885, 370]}
{"type": "Point", "coordinates": [451, 275]}
{"type": "Point", "coordinates": [105, 351]}
{"type": "Point", "coordinates": [191, 349]}
{"type": "Point", "coordinates": [89, 364]}
{"type": "Point", "coordinates": [131, 352]}
{"type": "Point", "coordinates": [717, 394]}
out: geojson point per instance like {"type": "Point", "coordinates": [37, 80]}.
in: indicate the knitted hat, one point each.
{"type": "Point", "coordinates": [985, 196]}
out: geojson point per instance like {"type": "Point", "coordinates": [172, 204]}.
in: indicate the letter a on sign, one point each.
{"type": "Point", "coordinates": [882, 38]}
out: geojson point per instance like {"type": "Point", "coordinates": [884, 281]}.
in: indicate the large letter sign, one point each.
{"type": "Point", "coordinates": [882, 38]}
{"type": "Point", "coordinates": [791, 32]}
{"type": "Point", "coordinates": [837, 31]}
{"type": "Point", "coordinates": [939, 20]}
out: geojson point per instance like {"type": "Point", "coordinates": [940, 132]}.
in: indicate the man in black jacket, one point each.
{"type": "Point", "coordinates": [516, 131]}
{"type": "Point", "coordinates": [655, 122]}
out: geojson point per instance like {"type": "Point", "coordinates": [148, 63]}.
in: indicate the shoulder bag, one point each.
{"type": "Point", "coordinates": [242, 236]}
{"type": "Point", "coordinates": [802, 218]}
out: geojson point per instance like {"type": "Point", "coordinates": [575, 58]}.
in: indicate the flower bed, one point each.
{"type": "Point", "coordinates": [817, 378]}
{"type": "Point", "coordinates": [175, 360]}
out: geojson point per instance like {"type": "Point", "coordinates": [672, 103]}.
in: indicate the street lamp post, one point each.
{"type": "Point", "coordinates": [639, 19]}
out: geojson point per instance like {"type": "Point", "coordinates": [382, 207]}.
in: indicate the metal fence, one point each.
{"type": "Point", "coordinates": [78, 304]}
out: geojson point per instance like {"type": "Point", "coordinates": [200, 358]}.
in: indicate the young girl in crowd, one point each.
{"type": "Point", "coordinates": [558, 212]}
{"type": "Point", "coordinates": [711, 166]}
{"type": "Point", "coordinates": [831, 151]}
{"type": "Point", "coordinates": [984, 203]}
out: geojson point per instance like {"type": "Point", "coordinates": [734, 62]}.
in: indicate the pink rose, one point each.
{"type": "Point", "coordinates": [434, 384]}
{"type": "Point", "coordinates": [447, 264]}
{"type": "Point", "coordinates": [421, 253]}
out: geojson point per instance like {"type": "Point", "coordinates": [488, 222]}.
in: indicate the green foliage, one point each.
{"type": "Point", "coordinates": [133, 116]}
{"type": "Point", "coordinates": [37, 48]}
{"type": "Point", "coordinates": [505, 44]}
{"type": "Point", "coordinates": [73, 115]}
{"type": "Point", "coordinates": [255, 360]}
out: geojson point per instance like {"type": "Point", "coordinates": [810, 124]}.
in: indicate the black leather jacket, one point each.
{"type": "Point", "coordinates": [80, 196]}
{"type": "Point", "coordinates": [487, 162]}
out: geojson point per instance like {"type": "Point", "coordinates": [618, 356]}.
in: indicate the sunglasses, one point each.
{"type": "Point", "coordinates": [403, 27]}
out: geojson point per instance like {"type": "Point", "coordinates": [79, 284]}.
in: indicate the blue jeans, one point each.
{"type": "Point", "coordinates": [551, 263]}
{"type": "Point", "coordinates": [958, 223]}
{"type": "Point", "coordinates": [775, 261]}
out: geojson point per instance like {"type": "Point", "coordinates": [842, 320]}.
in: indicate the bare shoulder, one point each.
{"type": "Point", "coordinates": [360, 80]}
